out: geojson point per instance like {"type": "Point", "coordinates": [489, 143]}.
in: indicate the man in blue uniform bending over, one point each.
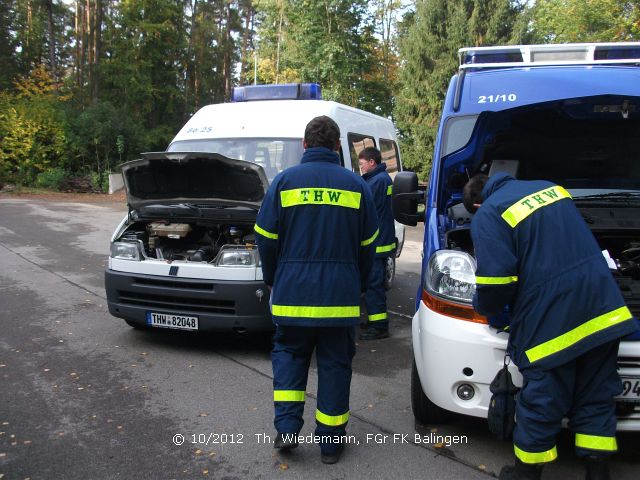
{"type": "Point", "coordinates": [316, 236]}
{"type": "Point", "coordinates": [537, 256]}
{"type": "Point", "coordinates": [375, 174]}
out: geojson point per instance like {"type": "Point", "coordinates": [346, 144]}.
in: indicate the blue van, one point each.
{"type": "Point", "coordinates": [565, 113]}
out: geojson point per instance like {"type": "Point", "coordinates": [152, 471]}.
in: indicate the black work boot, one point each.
{"type": "Point", "coordinates": [374, 334]}
{"type": "Point", "coordinates": [331, 458]}
{"type": "Point", "coordinates": [286, 441]}
{"type": "Point", "coordinates": [521, 471]}
{"type": "Point", "coordinates": [597, 468]}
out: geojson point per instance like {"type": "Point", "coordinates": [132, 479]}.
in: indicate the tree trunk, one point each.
{"type": "Point", "coordinates": [76, 60]}
{"type": "Point", "coordinates": [279, 41]}
{"type": "Point", "coordinates": [29, 20]}
{"type": "Point", "coordinates": [97, 48]}
{"type": "Point", "coordinates": [83, 46]}
{"type": "Point", "coordinates": [248, 23]}
{"type": "Point", "coordinates": [52, 39]}
{"type": "Point", "coordinates": [190, 93]}
{"type": "Point", "coordinates": [228, 45]}
{"type": "Point", "coordinates": [89, 45]}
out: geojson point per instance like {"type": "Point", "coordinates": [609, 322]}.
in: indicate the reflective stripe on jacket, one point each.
{"type": "Point", "coordinates": [536, 254]}
{"type": "Point", "coordinates": [317, 230]}
{"type": "Point", "coordinates": [381, 185]}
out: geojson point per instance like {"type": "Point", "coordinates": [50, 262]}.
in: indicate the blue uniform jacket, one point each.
{"type": "Point", "coordinates": [536, 254]}
{"type": "Point", "coordinates": [317, 228]}
{"type": "Point", "coordinates": [380, 184]}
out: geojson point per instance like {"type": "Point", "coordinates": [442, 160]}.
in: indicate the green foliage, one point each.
{"type": "Point", "coordinates": [51, 178]}
{"type": "Point", "coordinates": [102, 135]}
{"type": "Point", "coordinates": [33, 130]}
{"type": "Point", "coordinates": [124, 76]}
{"type": "Point", "coordinates": [142, 70]}
{"type": "Point", "coordinates": [432, 36]}
{"type": "Point", "coordinates": [99, 182]}
{"type": "Point", "coordinates": [330, 42]}
{"type": "Point", "coordinates": [557, 21]}
{"type": "Point", "coordinates": [7, 44]}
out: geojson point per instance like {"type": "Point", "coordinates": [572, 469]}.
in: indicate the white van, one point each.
{"type": "Point", "coordinates": [184, 257]}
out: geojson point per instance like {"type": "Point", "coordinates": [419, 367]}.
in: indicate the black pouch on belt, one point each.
{"type": "Point", "coordinates": [502, 407]}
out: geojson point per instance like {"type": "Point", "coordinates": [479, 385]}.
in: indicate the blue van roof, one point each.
{"type": "Point", "coordinates": [505, 88]}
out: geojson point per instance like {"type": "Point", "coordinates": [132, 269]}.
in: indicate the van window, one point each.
{"type": "Point", "coordinates": [272, 154]}
{"type": "Point", "coordinates": [457, 133]}
{"type": "Point", "coordinates": [389, 151]}
{"type": "Point", "coordinates": [357, 143]}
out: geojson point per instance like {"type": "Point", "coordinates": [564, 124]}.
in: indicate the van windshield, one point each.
{"type": "Point", "coordinates": [272, 154]}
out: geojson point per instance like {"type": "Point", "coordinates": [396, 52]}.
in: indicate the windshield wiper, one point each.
{"type": "Point", "coordinates": [609, 196]}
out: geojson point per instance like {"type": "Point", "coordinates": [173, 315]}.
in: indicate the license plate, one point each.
{"type": "Point", "coordinates": [170, 320]}
{"type": "Point", "coordinates": [630, 389]}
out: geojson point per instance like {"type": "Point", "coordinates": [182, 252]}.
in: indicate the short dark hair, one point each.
{"type": "Point", "coordinates": [371, 153]}
{"type": "Point", "coordinates": [472, 191]}
{"type": "Point", "coordinates": [322, 132]}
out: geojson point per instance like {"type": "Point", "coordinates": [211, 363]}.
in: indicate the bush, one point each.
{"type": "Point", "coordinates": [100, 186]}
{"type": "Point", "coordinates": [52, 178]}
{"type": "Point", "coordinates": [32, 129]}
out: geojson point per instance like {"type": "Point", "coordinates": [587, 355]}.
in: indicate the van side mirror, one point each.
{"type": "Point", "coordinates": [405, 198]}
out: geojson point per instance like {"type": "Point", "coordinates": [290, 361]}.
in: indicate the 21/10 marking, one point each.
{"type": "Point", "coordinates": [505, 97]}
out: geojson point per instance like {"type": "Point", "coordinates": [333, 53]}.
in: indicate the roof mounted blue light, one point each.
{"type": "Point", "coordinates": [287, 91]}
{"type": "Point", "coordinates": [492, 57]}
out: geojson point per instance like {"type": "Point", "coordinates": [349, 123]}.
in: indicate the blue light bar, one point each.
{"type": "Point", "coordinates": [563, 54]}
{"type": "Point", "coordinates": [500, 57]}
{"type": "Point", "coordinates": [620, 53]}
{"type": "Point", "coordinates": [287, 91]}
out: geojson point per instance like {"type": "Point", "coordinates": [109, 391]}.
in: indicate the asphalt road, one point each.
{"type": "Point", "coordinates": [85, 396]}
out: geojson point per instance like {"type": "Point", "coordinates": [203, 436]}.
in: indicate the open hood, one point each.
{"type": "Point", "coordinates": [194, 178]}
{"type": "Point", "coordinates": [586, 144]}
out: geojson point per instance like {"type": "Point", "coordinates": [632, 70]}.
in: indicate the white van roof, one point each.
{"type": "Point", "coordinates": [275, 119]}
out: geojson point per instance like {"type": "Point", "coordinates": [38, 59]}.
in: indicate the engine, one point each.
{"type": "Point", "coordinates": [186, 241]}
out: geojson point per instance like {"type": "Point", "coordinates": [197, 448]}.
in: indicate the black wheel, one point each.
{"type": "Point", "coordinates": [137, 326]}
{"type": "Point", "coordinates": [389, 272]}
{"type": "Point", "coordinates": [424, 410]}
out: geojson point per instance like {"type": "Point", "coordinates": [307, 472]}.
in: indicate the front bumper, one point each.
{"type": "Point", "coordinates": [451, 352]}
{"type": "Point", "coordinates": [221, 306]}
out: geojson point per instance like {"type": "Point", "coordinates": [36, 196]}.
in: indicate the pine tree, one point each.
{"type": "Point", "coordinates": [431, 38]}
{"type": "Point", "coordinates": [330, 42]}
{"type": "Point", "coordinates": [7, 45]}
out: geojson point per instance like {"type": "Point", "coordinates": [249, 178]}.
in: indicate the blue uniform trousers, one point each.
{"type": "Point", "coordinates": [291, 356]}
{"type": "Point", "coordinates": [375, 297]}
{"type": "Point", "coordinates": [581, 390]}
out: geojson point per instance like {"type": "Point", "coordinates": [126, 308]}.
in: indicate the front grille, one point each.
{"type": "Point", "coordinates": [630, 290]}
{"type": "Point", "coordinates": [180, 285]}
{"type": "Point", "coordinates": [628, 362]}
{"type": "Point", "coordinates": [627, 411]}
{"type": "Point", "coordinates": [176, 304]}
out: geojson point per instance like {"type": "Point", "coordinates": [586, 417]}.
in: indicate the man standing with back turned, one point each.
{"type": "Point", "coordinates": [374, 172]}
{"type": "Point", "coordinates": [537, 256]}
{"type": "Point", "coordinates": [316, 236]}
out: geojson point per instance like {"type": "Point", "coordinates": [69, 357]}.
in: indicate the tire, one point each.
{"type": "Point", "coordinates": [389, 272]}
{"type": "Point", "coordinates": [424, 410]}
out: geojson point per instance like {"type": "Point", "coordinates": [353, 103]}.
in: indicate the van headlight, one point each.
{"type": "Point", "coordinates": [126, 251]}
{"type": "Point", "coordinates": [237, 256]}
{"type": "Point", "coordinates": [451, 275]}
